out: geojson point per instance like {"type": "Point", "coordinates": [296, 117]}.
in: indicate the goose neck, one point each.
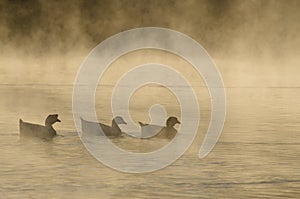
{"type": "Point", "coordinates": [50, 129]}
{"type": "Point", "coordinates": [115, 126]}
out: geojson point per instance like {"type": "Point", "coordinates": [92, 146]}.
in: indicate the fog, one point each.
{"type": "Point", "coordinates": [254, 43]}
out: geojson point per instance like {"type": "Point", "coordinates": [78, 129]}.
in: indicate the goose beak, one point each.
{"type": "Point", "coordinates": [178, 122]}
{"type": "Point", "coordinates": [58, 120]}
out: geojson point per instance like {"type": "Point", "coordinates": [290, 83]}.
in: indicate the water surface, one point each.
{"type": "Point", "coordinates": [257, 155]}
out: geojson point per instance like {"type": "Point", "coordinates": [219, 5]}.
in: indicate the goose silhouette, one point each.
{"type": "Point", "coordinates": [168, 131]}
{"type": "Point", "coordinates": [93, 127]}
{"type": "Point", "coordinates": [35, 130]}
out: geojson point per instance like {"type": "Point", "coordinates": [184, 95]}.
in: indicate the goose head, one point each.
{"type": "Point", "coordinates": [51, 119]}
{"type": "Point", "coordinates": [171, 121]}
{"type": "Point", "coordinates": [119, 120]}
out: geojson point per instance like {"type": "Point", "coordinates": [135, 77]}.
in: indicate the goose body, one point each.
{"type": "Point", "coordinates": [93, 127]}
{"type": "Point", "coordinates": [168, 131]}
{"type": "Point", "coordinates": [35, 130]}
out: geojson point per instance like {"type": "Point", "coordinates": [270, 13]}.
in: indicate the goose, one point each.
{"type": "Point", "coordinates": [35, 130]}
{"type": "Point", "coordinates": [168, 131]}
{"type": "Point", "coordinates": [93, 127]}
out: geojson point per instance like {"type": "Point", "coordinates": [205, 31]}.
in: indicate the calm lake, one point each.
{"type": "Point", "coordinates": [257, 155]}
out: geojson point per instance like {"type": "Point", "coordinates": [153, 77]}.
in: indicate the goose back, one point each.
{"type": "Point", "coordinates": [35, 130]}
{"type": "Point", "coordinates": [93, 128]}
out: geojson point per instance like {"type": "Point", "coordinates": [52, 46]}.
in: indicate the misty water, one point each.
{"type": "Point", "coordinates": [257, 155]}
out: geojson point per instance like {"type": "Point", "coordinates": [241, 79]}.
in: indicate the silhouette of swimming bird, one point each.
{"type": "Point", "coordinates": [35, 130]}
{"type": "Point", "coordinates": [93, 127]}
{"type": "Point", "coordinates": [168, 131]}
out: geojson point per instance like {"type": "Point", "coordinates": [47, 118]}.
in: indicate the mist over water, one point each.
{"type": "Point", "coordinates": [256, 156]}
{"type": "Point", "coordinates": [255, 45]}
